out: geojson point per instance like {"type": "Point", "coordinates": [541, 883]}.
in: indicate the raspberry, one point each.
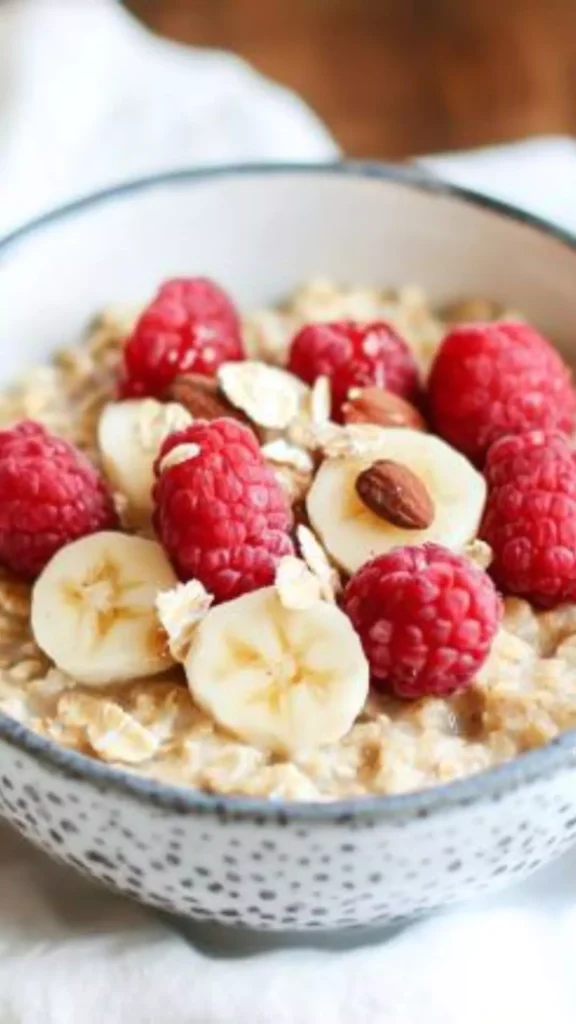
{"type": "Point", "coordinates": [426, 618]}
{"type": "Point", "coordinates": [221, 515]}
{"type": "Point", "coordinates": [354, 355]}
{"type": "Point", "coordinates": [51, 495]}
{"type": "Point", "coordinates": [530, 517]}
{"type": "Point", "coordinates": [190, 327]}
{"type": "Point", "coordinates": [488, 380]}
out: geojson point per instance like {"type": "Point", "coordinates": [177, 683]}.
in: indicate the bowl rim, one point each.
{"type": "Point", "coordinates": [411, 175]}
{"type": "Point", "coordinates": [488, 784]}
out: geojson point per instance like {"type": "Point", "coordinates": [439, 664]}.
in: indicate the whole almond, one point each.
{"type": "Point", "coordinates": [394, 493]}
{"type": "Point", "coordinates": [201, 396]}
{"type": "Point", "coordinates": [375, 405]}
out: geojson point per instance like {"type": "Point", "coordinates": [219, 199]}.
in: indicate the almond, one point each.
{"type": "Point", "coordinates": [470, 311]}
{"type": "Point", "coordinates": [201, 396]}
{"type": "Point", "coordinates": [393, 492]}
{"type": "Point", "coordinates": [375, 405]}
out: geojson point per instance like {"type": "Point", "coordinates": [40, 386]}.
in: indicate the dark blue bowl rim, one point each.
{"type": "Point", "coordinates": [487, 785]}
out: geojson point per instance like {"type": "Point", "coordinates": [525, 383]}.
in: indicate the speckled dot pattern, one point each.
{"type": "Point", "coordinates": [278, 873]}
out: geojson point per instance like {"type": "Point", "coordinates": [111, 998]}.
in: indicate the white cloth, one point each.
{"type": "Point", "coordinates": [538, 174]}
{"type": "Point", "coordinates": [88, 97]}
{"type": "Point", "coordinates": [128, 104]}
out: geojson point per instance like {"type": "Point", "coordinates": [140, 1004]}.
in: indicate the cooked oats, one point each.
{"type": "Point", "coordinates": [297, 587]}
{"type": "Point", "coordinates": [180, 610]}
{"type": "Point", "coordinates": [268, 396]}
{"type": "Point", "coordinates": [292, 466]}
{"type": "Point", "coordinates": [317, 561]}
{"type": "Point", "coordinates": [524, 696]}
{"type": "Point", "coordinates": [181, 453]}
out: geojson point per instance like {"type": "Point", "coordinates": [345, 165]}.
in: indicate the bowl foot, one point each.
{"type": "Point", "coordinates": [229, 941]}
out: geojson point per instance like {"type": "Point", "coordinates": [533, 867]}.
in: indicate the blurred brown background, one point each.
{"type": "Point", "coordinates": [393, 78]}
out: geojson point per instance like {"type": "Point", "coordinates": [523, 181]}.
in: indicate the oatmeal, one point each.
{"type": "Point", "coordinates": [170, 708]}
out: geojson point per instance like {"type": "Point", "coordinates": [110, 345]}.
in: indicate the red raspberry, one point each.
{"type": "Point", "coordinates": [221, 515]}
{"type": "Point", "coordinates": [492, 379]}
{"type": "Point", "coordinates": [51, 495]}
{"type": "Point", "coordinates": [354, 355]}
{"type": "Point", "coordinates": [530, 516]}
{"type": "Point", "coordinates": [190, 327]}
{"type": "Point", "coordinates": [426, 618]}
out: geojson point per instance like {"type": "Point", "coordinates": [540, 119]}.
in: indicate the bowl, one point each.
{"type": "Point", "coordinates": [267, 864]}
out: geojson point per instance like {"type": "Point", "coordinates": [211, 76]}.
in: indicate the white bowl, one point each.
{"type": "Point", "coordinates": [260, 231]}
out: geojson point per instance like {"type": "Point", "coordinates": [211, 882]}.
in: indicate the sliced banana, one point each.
{"type": "Point", "coordinates": [130, 434]}
{"type": "Point", "coordinates": [352, 534]}
{"type": "Point", "coordinates": [93, 609]}
{"type": "Point", "coordinates": [281, 679]}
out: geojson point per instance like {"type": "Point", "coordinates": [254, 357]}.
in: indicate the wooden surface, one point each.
{"type": "Point", "coordinates": [397, 77]}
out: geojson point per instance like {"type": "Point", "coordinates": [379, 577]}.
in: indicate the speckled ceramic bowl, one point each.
{"type": "Point", "coordinates": [259, 864]}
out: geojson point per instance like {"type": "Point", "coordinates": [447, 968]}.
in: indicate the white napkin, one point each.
{"type": "Point", "coordinates": [538, 174]}
{"type": "Point", "coordinates": [127, 104]}
{"type": "Point", "coordinates": [89, 97]}
{"type": "Point", "coordinates": [69, 953]}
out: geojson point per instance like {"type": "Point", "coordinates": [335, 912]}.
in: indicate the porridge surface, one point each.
{"type": "Point", "coordinates": [522, 698]}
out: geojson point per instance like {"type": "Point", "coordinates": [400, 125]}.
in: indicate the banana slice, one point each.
{"type": "Point", "coordinates": [93, 609]}
{"type": "Point", "coordinates": [352, 534]}
{"type": "Point", "coordinates": [281, 679]}
{"type": "Point", "coordinates": [130, 434]}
